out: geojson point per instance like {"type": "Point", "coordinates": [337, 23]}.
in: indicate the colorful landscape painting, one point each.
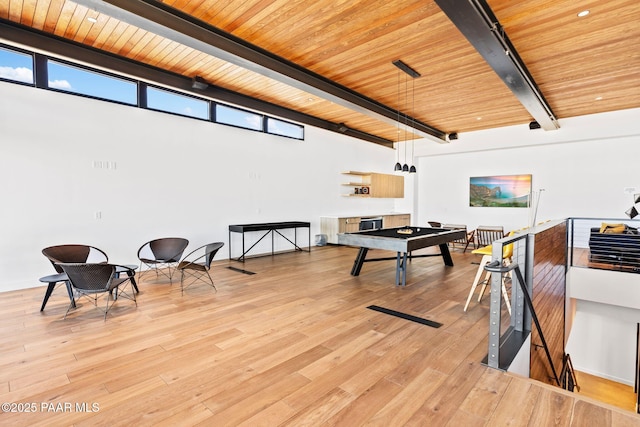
{"type": "Point", "coordinates": [505, 191]}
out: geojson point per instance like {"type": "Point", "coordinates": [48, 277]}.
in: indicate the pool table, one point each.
{"type": "Point", "coordinates": [402, 240]}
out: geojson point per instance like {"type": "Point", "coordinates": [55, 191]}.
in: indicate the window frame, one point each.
{"type": "Point", "coordinates": [232, 107]}
{"type": "Point", "coordinates": [177, 93]}
{"type": "Point", "coordinates": [33, 65]}
{"type": "Point", "coordinates": [91, 71]}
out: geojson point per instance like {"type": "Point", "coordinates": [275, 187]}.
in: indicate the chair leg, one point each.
{"type": "Point", "coordinates": [211, 280]}
{"type": "Point", "coordinates": [485, 260]}
{"type": "Point", "coordinates": [485, 283]}
{"type": "Point", "coordinates": [506, 296]}
{"type": "Point", "coordinates": [106, 311]}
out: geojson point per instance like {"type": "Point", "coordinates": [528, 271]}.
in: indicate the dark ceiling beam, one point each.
{"type": "Point", "coordinates": [89, 56]}
{"type": "Point", "coordinates": [158, 18]}
{"type": "Point", "coordinates": [476, 21]}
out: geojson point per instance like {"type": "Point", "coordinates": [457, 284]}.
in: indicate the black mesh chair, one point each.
{"type": "Point", "coordinates": [95, 280]}
{"type": "Point", "coordinates": [73, 254]}
{"type": "Point", "coordinates": [162, 253]}
{"type": "Point", "coordinates": [198, 263]}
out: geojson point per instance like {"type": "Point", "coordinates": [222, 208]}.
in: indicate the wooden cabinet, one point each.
{"type": "Point", "coordinates": [391, 221]}
{"type": "Point", "coordinates": [374, 185]}
{"type": "Point", "coordinates": [331, 225]}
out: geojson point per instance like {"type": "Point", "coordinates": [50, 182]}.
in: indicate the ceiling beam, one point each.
{"type": "Point", "coordinates": [91, 57]}
{"type": "Point", "coordinates": [160, 19]}
{"type": "Point", "coordinates": [476, 21]}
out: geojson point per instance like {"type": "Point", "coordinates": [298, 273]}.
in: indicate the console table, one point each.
{"type": "Point", "coordinates": [269, 228]}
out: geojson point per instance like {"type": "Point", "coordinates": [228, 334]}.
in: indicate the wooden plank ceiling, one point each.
{"type": "Point", "coordinates": [581, 65]}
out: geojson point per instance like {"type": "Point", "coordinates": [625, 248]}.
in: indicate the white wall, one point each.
{"type": "Point", "coordinates": [584, 168]}
{"type": "Point", "coordinates": [605, 313]}
{"type": "Point", "coordinates": [173, 176]}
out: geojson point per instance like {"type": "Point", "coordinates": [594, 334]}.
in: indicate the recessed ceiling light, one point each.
{"type": "Point", "coordinates": [478, 118]}
{"type": "Point", "coordinates": [598, 98]}
{"type": "Point", "coordinates": [92, 20]}
{"type": "Point", "coordinates": [583, 13]}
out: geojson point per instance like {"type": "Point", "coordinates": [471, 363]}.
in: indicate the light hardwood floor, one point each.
{"type": "Point", "coordinates": [293, 344]}
{"type": "Point", "coordinates": [611, 392]}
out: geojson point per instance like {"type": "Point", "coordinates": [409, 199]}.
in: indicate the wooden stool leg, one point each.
{"type": "Point", "coordinates": [485, 260]}
{"type": "Point", "coordinates": [505, 295]}
{"type": "Point", "coordinates": [485, 283]}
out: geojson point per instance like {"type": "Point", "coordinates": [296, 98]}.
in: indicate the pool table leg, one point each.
{"type": "Point", "coordinates": [446, 255]}
{"type": "Point", "coordinates": [401, 268]}
{"type": "Point", "coordinates": [357, 264]}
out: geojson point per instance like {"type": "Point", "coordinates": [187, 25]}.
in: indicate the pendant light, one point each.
{"type": "Point", "coordinates": [398, 166]}
{"type": "Point", "coordinates": [414, 75]}
{"type": "Point", "coordinates": [405, 167]}
{"type": "Point", "coordinates": [412, 169]}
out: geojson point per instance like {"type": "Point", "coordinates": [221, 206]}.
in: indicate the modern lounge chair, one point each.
{"type": "Point", "coordinates": [160, 254]}
{"type": "Point", "coordinates": [197, 264]}
{"type": "Point", "coordinates": [97, 280]}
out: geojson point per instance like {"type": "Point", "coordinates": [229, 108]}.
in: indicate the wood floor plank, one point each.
{"type": "Point", "coordinates": [366, 404]}
{"type": "Point", "coordinates": [411, 397]}
{"type": "Point", "coordinates": [552, 408]}
{"type": "Point", "coordinates": [486, 394]}
{"type": "Point", "coordinates": [586, 414]}
{"type": "Point", "coordinates": [445, 401]}
{"type": "Point", "coordinates": [518, 405]}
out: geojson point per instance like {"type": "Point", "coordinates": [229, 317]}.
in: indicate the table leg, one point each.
{"type": "Point", "coordinates": [131, 275]}
{"type": "Point", "coordinates": [404, 269]}
{"type": "Point", "coordinates": [50, 287]}
{"type": "Point", "coordinates": [357, 264]}
{"type": "Point", "coordinates": [47, 294]}
{"type": "Point", "coordinates": [401, 268]}
{"type": "Point", "coordinates": [243, 252]}
{"type": "Point", "coordinates": [446, 255]}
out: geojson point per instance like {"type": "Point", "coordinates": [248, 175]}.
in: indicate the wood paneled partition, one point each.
{"type": "Point", "coordinates": [548, 296]}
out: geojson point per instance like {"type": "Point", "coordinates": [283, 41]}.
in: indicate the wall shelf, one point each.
{"type": "Point", "coordinates": [376, 184]}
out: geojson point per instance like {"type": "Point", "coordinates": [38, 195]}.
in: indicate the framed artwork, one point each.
{"type": "Point", "coordinates": [503, 191]}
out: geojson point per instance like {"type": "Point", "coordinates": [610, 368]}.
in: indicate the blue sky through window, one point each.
{"type": "Point", "coordinates": [175, 103]}
{"type": "Point", "coordinates": [19, 67]}
{"type": "Point", "coordinates": [279, 127]}
{"type": "Point", "coordinates": [16, 66]}
{"type": "Point", "coordinates": [85, 82]}
{"type": "Point", "coordinates": [236, 117]}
